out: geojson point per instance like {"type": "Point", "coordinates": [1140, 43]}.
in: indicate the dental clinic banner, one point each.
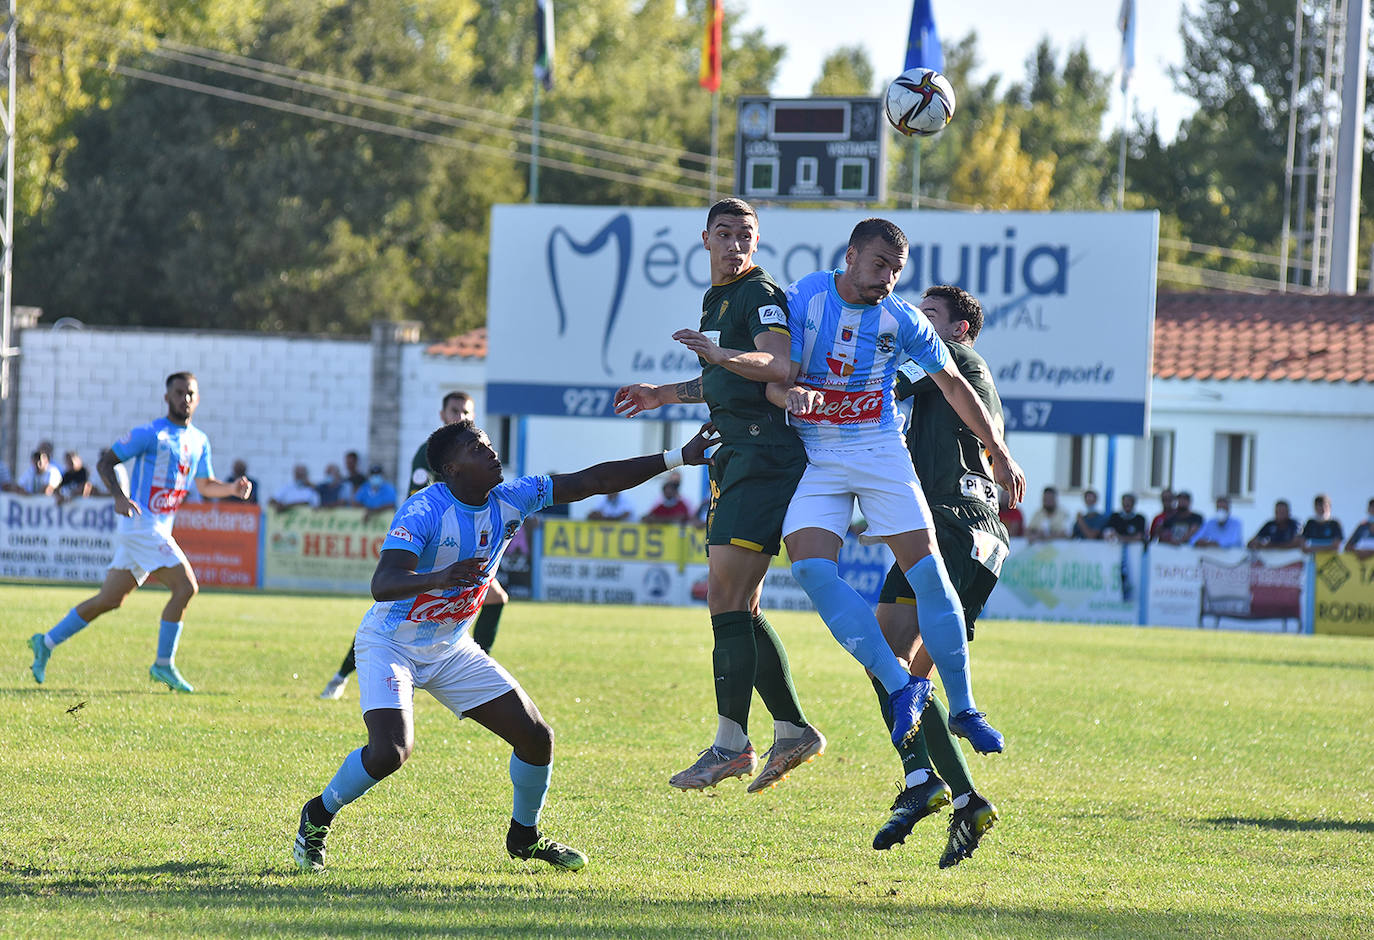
{"type": "Point", "coordinates": [583, 300]}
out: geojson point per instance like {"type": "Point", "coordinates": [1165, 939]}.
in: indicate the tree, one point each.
{"type": "Point", "coordinates": [995, 173]}
{"type": "Point", "coordinates": [846, 71]}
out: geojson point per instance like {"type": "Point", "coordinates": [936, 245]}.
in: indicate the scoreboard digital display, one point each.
{"type": "Point", "coordinates": [813, 149]}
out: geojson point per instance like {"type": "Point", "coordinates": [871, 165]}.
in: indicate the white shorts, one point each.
{"type": "Point", "coordinates": [459, 676]}
{"type": "Point", "coordinates": [142, 552]}
{"type": "Point", "coordinates": [883, 480]}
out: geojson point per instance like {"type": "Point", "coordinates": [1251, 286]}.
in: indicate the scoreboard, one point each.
{"type": "Point", "coordinates": [811, 149]}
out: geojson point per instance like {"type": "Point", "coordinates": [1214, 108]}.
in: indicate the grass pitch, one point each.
{"type": "Point", "coordinates": [1156, 783]}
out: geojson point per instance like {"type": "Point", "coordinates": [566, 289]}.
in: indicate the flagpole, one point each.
{"type": "Point", "coordinates": [1121, 157]}
{"type": "Point", "coordinates": [715, 142]}
{"type": "Point", "coordinates": [915, 172]}
{"type": "Point", "coordinates": [534, 147]}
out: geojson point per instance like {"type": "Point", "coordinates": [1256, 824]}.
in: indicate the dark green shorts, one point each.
{"type": "Point", "coordinates": [751, 486]}
{"type": "Point", "coordinates": [973, 562]}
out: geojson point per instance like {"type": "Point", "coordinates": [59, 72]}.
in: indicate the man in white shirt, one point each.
{"type": "Point", "coordinates": [299, 492]}
{"type": "Point", "coordinates": [41, 478]}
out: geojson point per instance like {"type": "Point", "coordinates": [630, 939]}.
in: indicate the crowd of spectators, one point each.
{"type": "Point", "coordinates": [1177, 523]}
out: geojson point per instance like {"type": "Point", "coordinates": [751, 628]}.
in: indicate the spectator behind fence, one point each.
{"type": "Point", "coordinates": [1282, 531]}
{"type": "Point", "coordinates": [240, 469]}
{"type": "Point", "coordinates": [1127, 525]}
{"type": "Point", "coordinates": [1166, 508]}
{"type": "Point", "coordinates": [1182, 524]}
{"type": "Point", "coordinates": [1222, 530]}
{"type": "Point", "coordinates": [6, 478]}
{"type": "Point", "coordinates": [1362, 539]}
{"type": "Point", "coordinates": [1010, 516]}
{"type": "Point", "coordinates": [299, 492]}
{"type": "Point", "coordinates": [334, 490]}
{"type": "Point", "coordinates": [377, 494]}
{"type": "Point", "coordinates": [1321, 531]}
{"type": "Point", "coordinates": [352, 472]}
{"type": "Point", "coordinates": [611, 508]}
{"type": "Point", "coordinates": [672, 508]}
{"type": "Point", "coordinates": [1050, 521]}
{"type": "Point", "coordinates": [1088, 523]}
{"type": "Point", "coordinates": [76, 479]}
{"type": "Point", "coordinates": [41, 478]}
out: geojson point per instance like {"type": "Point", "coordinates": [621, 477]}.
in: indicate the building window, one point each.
{"type": "Point", "coordinates": [1233, 467]}
{"type": "Point", "coordinates": [1161, 460]}
{"type": "Point", "coordinates": [1080, 461]}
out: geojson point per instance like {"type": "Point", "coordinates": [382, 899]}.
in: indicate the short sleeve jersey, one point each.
{"type": "Point", "coordinates": [851, 354]}
{"type": "Point", "coordinates": [1278, 531]}
{"type": "Point", "coordinates": [1320, 532]}
{"type": "Point", "coordinates": [962, 471]}
{"type": "Point", "coordinates": [1122, 524]}
{"type": "Point", "coordinates": [434, 526]}
{"type": "Point", "coordinates": [733, 314]}
{"type": "Point", "coordinates": [166, 457]}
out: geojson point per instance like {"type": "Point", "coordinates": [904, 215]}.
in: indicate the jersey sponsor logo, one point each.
{"type": "Point", "coordinates": [859, 407]}
{"type": "Point", "coordinates": [839, 364]}
{"type": "Point", "coordinates": [976, 487]}
{"type": "Point", "coordinates": [712, 335]}
{"type": "Point", "coordinates": [420, 477]}
{"type": "Point", "coordinates": [164, 500]}
{"type": "Point", "coordinates": [772, 313]}
{"type": "Point", "coordinates": [511, 529]}
{"type": "Point", "coordinates": [402, 533]}
{"type": "Point", "coordinates": [442, 608]}
{"type": "Point", "coordinates": [886, 343]}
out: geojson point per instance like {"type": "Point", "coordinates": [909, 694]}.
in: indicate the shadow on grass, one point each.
{"type": "Point", "coordinates": [1294, 825]}
{"type": "Point", "coordinates": [1273, 662]}
{"type": "Point", "coordinates": [195, 896]}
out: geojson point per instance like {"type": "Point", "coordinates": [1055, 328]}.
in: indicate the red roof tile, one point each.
{"type": "Point", "coordinates": [1293, 337]}
{"type": "Point", "coordinates": [469, 345]}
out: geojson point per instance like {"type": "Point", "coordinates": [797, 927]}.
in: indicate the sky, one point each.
{"type": "Point", "coordinates": [1008, 32]}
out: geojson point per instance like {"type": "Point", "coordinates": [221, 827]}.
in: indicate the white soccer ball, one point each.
{"type": "Point", "coordinates": [920, 102]}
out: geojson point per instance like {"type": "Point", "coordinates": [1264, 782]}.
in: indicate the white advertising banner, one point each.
{"type": "Point", "coordinates": [41, 540]}
{"type": "Point", "coordinates": [1068, 580]}
{"type": "Point", "coordinates": [1232, 588]}
{"type": "Point", "coordinates": [585, 299]}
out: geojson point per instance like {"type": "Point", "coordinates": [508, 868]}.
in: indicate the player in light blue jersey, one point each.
{"type": "Point", "coordinates": [849, 335]}
{"type": "Point", "coordinates": [436, 565]}
{"type": "Point", "coordinates": [168, 456]}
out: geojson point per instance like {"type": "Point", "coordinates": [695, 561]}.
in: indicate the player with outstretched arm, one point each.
{"type": "Point", "coordinates": [437, 563]}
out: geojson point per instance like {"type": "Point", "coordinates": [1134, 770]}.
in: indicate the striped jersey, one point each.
{"type": "Point", "coordinates": [851, 354]}
{"type": "Point", "coordinates": [440, 530]}
{"type": "Point", "coordinates": [166, 458]}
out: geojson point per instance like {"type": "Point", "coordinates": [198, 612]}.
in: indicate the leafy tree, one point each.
{"type": "Point", "coordinates": [995, 173]}
{"type": "Point", "coordinates": [846, 71]}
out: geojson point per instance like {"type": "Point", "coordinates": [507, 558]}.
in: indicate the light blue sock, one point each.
{"type": "Point", "coordinates": [350, 782]}
{"type": "Point", "coordinates": [531, 783]}
{"type": "Point", "coordinates": [68, 627]}
{"type": "Point", "coordinates": [850, 620]}
{"type": "Point", "coordinates": [941, 616]}
{"type": "Point", "coordinates": [168, 635]}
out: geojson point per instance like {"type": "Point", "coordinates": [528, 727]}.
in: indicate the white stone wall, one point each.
{"type": "Point", "coordinates": [425, 380]}
{"type": "Point", "coordinates": [272, 401]}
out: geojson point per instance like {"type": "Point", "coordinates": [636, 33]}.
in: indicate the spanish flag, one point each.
{"type": "Point", "coordinates": [710, 46]}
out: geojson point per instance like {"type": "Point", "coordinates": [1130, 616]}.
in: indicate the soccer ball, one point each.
{"type": "Point", "coordinates": [920, 102]}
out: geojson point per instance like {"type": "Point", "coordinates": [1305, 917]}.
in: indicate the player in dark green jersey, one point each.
{"type": "Point", "coordinates": [743, 343]}
{"type": "Point", "coordinates": [954, 472]}
{"type": "Point", "coordinates": [456, 407]}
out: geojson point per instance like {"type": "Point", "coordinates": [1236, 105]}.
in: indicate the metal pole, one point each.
{"type": "Point", "coordinates": [915, 172]}
{"type": "Point", "coordinates": [1350, 151]}
{"type": "Point", "coordinates": [1121, 156]}
{"type": "Point", "coordinates": [534, 147]}
{"type": "Point", "coordinates": [8, 434]}
{"type": "Point", "coordinates": [1292, 142]}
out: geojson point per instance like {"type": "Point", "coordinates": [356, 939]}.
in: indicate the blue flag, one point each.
{"type": "Point", "coordinates": [923, 43]}
{"type": "Point", "coordinates": [1125, 21]}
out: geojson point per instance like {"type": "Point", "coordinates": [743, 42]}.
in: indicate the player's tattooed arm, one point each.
{"type": "Point", "coordinates": [689, 391]}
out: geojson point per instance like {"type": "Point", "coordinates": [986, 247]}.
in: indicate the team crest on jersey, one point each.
{"type": "Point", "coordinates": [886, 342]}
{"type": "Point", "coordinates": [839, 364]}
{"type": "Point", "coordinates": [724, 305]}
{"type": "Point", "coordinates": [511, 529]}
{"type": "Point", "coordinates": [772, 314]}
{"type": "Point", "coordinates": [483, 538]}
{"type": "Point", "coordinates": [846, 334]}
{"type": "Point", "coordinates": [402, 533]}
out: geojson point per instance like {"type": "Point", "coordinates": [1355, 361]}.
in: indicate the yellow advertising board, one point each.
{"type": "Point", "coordinates": [1345, 594]}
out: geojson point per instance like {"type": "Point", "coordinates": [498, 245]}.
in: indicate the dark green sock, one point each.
{"type": "Point", "coordinates": [944, 750]}
{"type": "Point", "coordinates": [484, 630]}
{"type": "Point", "coordinates": [734, 660]}
{"type": "Point", "coordinates": [913, 751]}
{"type": "Point", "coordinates": [773, 677]}
{"type": "Point", "coordinates": [350, 662]}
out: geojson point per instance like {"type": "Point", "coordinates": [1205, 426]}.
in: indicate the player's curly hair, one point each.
{"type": "Point", "coordinates": [443, 442]}
{"type": "Point", "coordinates": [962, 305]}
{"type": "Point", "coordinates": [869, 229]}
{"type": "Point", "coordinates": [731, 205]}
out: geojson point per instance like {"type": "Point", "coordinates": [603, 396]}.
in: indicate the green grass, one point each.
{"type": "Point", "coordinates": [1156, 783]}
